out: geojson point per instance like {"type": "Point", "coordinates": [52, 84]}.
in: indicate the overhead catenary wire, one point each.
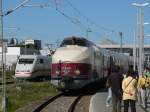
{"type": "Point", "coordinates": [80, 22]}
{"type": "Point", "coordinates": [17, 7]}
{"type": "Point", "coordinates": [89, 20]}
{"type": "Point", "coordinates": [71, 19]}
{"type": "Point", "coordinates": [74, 20]}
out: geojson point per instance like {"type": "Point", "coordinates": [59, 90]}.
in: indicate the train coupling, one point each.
{"type": "Point", "coordinates": [65, 81]}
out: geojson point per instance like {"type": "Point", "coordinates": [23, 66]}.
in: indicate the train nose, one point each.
{"type": "Point", "coordinates": [65, 81]}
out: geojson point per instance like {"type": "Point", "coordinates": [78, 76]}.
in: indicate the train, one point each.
{"type": "Point", "coordinates": [33, 67]}
{"type": "Point", "coordinates": [78, 61]}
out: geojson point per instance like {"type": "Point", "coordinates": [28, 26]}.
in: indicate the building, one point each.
{"type": "Point", "coordinates": [11, 54]}
{"type": "Point", "coordinates": [126, 49]}
{"type": "Point", "coordinates": [31, 43]}
{"type": "Point", "coordinates": [12, 50]}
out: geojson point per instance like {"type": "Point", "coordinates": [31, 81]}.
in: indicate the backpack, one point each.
{"type": "Point", "coordinates": [148, 74]}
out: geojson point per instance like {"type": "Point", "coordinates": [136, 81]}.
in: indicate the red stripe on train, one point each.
{"type": "Point", "coordinates": [70, 69]}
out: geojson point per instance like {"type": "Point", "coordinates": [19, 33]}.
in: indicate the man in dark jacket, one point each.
{"type": "Point", "coordinates": [115, 82]}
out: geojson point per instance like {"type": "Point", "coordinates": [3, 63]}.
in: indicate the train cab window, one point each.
{"type": "Point", "coordinates": [74, 41]}
{"type": "Point", "coordinates": [66, 42]}
{"type": "Point", "coordinates": [40, 61]}
{"type": "Point", "coordinates": [25, 61]}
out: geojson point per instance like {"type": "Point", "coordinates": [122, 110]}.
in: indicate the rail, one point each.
{"type": "Point", "coordinates": [73, 105]}
{"type": "Point", "coordinates": [45, 103]}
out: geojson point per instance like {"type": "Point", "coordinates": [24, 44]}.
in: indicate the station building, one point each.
{"type": "Point", "coordinates": [126, 49]}
{"type": "Point", "coordinates": [12, 50]}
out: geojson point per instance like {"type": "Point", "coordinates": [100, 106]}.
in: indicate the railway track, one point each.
{"type": "Point", "coordinates": [71, 101]}
{"type": "Point", "coordinates": [60, 102]}
{"type": "Point", "coordinates": [45, 103]}
{"type": "Point", "coordinates": [73, 105]}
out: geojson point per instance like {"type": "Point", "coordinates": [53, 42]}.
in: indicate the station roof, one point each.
{"type": "Point", "coordinates": [107, 43]}
{"type": "Point", "coordinates": [118, 46]}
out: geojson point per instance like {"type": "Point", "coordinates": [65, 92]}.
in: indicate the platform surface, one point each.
{"type": "Point", "coordinates": [98, 104]}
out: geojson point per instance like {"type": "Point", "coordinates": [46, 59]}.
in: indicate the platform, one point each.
{"type": "Point", "coordinates": [98, 104]}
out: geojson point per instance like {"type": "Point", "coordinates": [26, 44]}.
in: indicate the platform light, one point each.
{"type": "Point", "coordinates": [140, 5]}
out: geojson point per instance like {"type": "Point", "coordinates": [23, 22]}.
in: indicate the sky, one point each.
{"type": "Point", "coordinates": [92, 19]}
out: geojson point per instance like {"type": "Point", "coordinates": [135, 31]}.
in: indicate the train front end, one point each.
{"type": "Point", "coordinates": [24, 67]}
{"type": "Point", "coordinates": [71, 66]}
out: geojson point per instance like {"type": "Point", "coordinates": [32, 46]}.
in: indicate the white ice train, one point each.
{"type": "Point", "coordinates": [33, 66]}
{"type": "Point", "coordinates": [78, 62]}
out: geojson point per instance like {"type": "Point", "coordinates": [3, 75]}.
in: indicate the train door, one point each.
{"type": "Point", "coordinates": [100, 62]}
{"type": "Point", "coordinates": [106, 65]}
{"type": "Point", "coordinates": [93, 59]}
{"type": "Point", "coordinates": [94, 63]}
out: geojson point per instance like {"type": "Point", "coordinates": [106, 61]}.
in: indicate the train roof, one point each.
{"type": "Point", "coordinates": [74, 40]}
{"type": "Point", "coordinates": [71, 37]}
{"type": "Point", "coordinates": [33, 56]}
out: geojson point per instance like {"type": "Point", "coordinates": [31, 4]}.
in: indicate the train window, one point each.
{"type": "Point", "coordinates": [41, 61]}
{"type": "Point", "coordinates": [81, 42]}
{"type": "Point", "coordinates": [25, 61]}
{"type": "Point", "coordinates": [74, 41]}
{"type": "Point", "coordinates": [66, 42]}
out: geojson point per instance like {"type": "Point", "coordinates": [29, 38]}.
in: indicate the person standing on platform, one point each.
{"type": "Point", "coordinates": [142, 89]}
{"type": "Point", "coordinates": [147, 85]}
{"type": "Point", "coordinates": [129, 86]}
{"type": "Point", "coordinates": [115, 81]}
{"type": "Point", "coordinates": [109, 97]}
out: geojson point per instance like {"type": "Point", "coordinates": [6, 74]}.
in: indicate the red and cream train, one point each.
{"type": "Point", "coordinates": [78, 62]}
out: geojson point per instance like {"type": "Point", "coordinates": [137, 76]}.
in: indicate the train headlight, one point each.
{"type": "Point", "coordinates": [77, 72]}
{"type": "Point", "coordinates": [57, 72]}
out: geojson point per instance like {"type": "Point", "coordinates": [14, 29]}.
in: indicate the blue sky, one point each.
{"type": "Point", "coordinates": [105, 18]}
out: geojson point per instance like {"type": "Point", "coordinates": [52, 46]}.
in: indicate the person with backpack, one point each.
{"type": "Point", "coordinates": [147, 85]}
{"type": "Point", "coordinates": [129, 86]}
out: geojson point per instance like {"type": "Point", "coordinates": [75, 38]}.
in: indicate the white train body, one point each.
{"type": "Point", "coordinates": [33, 66]}
{"type": "Point", "coordinates": [78, 62]}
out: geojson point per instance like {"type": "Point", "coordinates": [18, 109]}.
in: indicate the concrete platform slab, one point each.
{"type": "Point", "coordinates": [98, 104]}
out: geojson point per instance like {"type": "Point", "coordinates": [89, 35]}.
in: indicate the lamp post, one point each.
{"type": "Point", "coordinates": [140, 34]}
{"type": "Point", "coordinates": [135, 52]}
{"type": "Point", "coordinates": [147, 35]}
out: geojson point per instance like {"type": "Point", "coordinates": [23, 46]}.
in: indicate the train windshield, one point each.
{"type": "Point", "coordinates": [74, 41]}
{"type": "Point", "coordinates": [25, 61]}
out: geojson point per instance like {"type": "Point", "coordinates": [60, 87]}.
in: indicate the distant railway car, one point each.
{"type": "Point", "coordinates": [78, 62]}
{"type": "Point", "coordinates": [33, 66]}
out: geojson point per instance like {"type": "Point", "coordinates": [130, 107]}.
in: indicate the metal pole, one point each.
{"type": "Point", "coordinates": [138, 37]}
{"type": "Point", "coordinates": [142, 36]}
{"type": "Point", "coordinates": [120, 34]}
{"type": "Point", "coordinates": [141, 44]}
{"type": "Point", "coordinates": [134, 51]}
{"type": "Point", "coordinates": [140, 31]}
{"type": "Point", "coordinates": [2, 60]}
